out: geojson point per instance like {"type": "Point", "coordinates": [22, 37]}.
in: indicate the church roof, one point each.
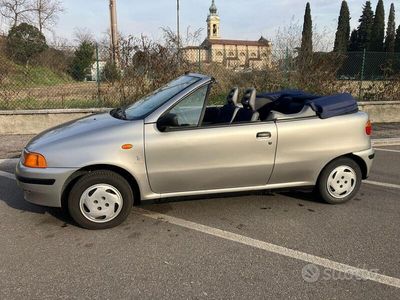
{"type": "Point", "coordinates": [261, 42]}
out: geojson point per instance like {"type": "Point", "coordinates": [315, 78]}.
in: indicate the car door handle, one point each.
{"type": "Point", "coordinates": [264, 135]}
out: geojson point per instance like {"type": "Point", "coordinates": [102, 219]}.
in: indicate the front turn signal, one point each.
{"type": "Point", "coordinates": [34, 160]}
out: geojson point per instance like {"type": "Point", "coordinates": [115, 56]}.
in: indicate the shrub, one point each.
{"type": "Point", "coordinates": [111, 72]}
{"type": "Point", "coordinates": [82, 61]}
{"type": "Point", "coordinates": [56, 60]}
{"type": "Point", "coordinates": [24, 42]}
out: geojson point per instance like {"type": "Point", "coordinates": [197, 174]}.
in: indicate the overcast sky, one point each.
{"type": "Point", "coordinates": [240, 19]}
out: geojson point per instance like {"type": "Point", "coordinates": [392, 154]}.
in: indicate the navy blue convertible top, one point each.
{"type": "Point", "coordinates": [290, 101]}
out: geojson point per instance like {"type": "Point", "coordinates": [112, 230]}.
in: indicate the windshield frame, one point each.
{"type": "Point", "coordinates": [161, 104]}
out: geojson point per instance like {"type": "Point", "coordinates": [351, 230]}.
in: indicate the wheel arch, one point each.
{"type": "Point", "coordinates": [87, 169]}
{"type": "Point", "coordinates": [360, 162]}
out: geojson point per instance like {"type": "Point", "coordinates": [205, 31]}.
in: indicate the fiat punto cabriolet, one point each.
{"type": "Point", "coordinates": [175, 143]}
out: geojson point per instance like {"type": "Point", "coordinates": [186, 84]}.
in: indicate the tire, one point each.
{"type": "Point", "coordinates": [339, 181]}
{"type": "Point", "coordinates": [100, 199]}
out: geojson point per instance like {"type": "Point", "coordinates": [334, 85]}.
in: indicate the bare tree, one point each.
{"type": "Point", "coordinates": [58, 42]}
{"type": "Point", "coordinates": [83, 34]}
{"type": "Point", "coordinates": [189, 39]}
{"type": "Point", "coordinates": [46, 13]}
{"type": "Point", "coordinates": [289, 36]}
{"type": "Point", "coordinates": [15, 11]}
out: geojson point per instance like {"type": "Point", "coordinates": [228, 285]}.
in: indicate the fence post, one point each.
{"type": "Point", "coordinates": [199, 54]}
{"type": "Point", "coordinates": [287, 67]}
{"type": "Point", "coordinates": [97, 73]}
{"type": "Point", "coordinates": [360, 93]}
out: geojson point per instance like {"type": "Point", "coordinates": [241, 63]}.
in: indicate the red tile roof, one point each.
{"type": "Point", "coordinates": [260, 42]}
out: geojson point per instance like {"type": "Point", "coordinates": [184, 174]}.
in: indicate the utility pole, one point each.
{"type": "Point", "coordinates": [178, 30]}
{"type": "Point", "coordinates": [114, 32]}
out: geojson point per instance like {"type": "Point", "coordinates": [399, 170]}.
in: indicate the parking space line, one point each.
{"type": "Point", "coordinates": [272, 248]}
{"type": "Point", "coordinates": [7, 175]}
{"type": "Point", "coordinates": [389, 185]}
{"type": "Point", "coordinates": [387, 150]}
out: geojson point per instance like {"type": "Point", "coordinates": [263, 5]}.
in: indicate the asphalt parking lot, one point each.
{"type": "Point", "coordinates": [245, 246]}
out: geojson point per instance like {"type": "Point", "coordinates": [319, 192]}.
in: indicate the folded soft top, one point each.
{"type": "Point", "coordinates": [288, 101]}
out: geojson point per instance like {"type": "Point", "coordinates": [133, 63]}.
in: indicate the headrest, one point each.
{"type": "Point", "coordinates": [249, 99]}
{"type": "Point", "coordinates": [233, 96]}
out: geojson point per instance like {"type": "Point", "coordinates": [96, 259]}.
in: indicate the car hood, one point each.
{"type": "Point", "coordinates": [93, 124]}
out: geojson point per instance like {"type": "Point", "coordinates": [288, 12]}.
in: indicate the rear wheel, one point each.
{"type": "Point", "coordinates": [100, 200]}
{"type": "Point", "coordinates": [339, 181]}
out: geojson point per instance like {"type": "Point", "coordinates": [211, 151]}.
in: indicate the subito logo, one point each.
{"type": "Point", "coordinates": [310, 273]}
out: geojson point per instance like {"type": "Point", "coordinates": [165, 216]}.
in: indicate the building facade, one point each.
{"type": "Point", "coordinates": [233, 54]}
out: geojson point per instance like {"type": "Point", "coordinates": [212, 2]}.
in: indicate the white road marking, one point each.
{"type": "Point", "coordinates": [7, 175]}
{"type": "Point", "coordinates": [387, 150]}
{"type": "Point", "coordinates": [389, 185]}
{"type": "Point", "coordinates": [309, 258]}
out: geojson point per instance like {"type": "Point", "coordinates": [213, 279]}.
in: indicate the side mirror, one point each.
{"type": "Point", "coordinates": [167, 121]}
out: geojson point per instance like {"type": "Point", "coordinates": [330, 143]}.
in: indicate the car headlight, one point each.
{"type": "Point", "coordinates": [34, 160]}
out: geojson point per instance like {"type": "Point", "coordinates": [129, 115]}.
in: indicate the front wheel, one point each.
{"type": "Point", "coordinates": [339, 181]}
{"type": "Point", "coordinates": [100, 199]}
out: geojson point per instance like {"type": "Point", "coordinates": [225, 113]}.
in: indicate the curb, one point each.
{"type": "Point", "coordinates": [54, 111]}
{"type": "Point", "coordinates": [386, 142]}
{"type": "Point", "coordinates": [9, 160]}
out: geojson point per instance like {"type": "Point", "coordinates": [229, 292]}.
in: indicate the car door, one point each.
{"type": "Point", "coordinates": [191, 158]}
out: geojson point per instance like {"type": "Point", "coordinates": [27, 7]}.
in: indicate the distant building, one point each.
{"type": "Point", "coordinates": [234, 54]}
{"type": "Point", "coordinates": [94, 75]}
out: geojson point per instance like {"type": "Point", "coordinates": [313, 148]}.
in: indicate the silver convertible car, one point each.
{"type": "Point", "coordinates": [175, 143]}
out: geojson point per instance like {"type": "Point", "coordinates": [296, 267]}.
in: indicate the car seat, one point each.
{"type": "Point", "coordinates": [248, 113]}
{"type": "Point", "coordinates": [228, 112]}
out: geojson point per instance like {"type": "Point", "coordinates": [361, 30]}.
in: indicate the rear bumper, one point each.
{"type": "Point", "coordinates": [43, 186]}
{"type": "Point", "coordinates": [368, 157]}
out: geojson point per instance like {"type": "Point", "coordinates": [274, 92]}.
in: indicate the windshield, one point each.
{"type": "Point", "coordinates": [151, 102]}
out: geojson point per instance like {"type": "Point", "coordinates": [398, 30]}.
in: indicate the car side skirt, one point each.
{"type": "Point", "coordinates": [233, 190]}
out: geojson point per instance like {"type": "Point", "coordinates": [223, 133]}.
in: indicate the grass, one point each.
{"type": "Point", "coordinates": [17, 76]}
{"type": "Point", "coordinates": [36, 76]}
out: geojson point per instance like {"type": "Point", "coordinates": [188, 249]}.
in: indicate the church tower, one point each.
{"type": "Point", "coordinates": [213, 22]}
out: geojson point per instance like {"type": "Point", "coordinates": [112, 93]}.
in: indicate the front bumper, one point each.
{"type": "Point", "coordinates": [43, 186]}
{"type": "Point", "coordinates": [368, 157]}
